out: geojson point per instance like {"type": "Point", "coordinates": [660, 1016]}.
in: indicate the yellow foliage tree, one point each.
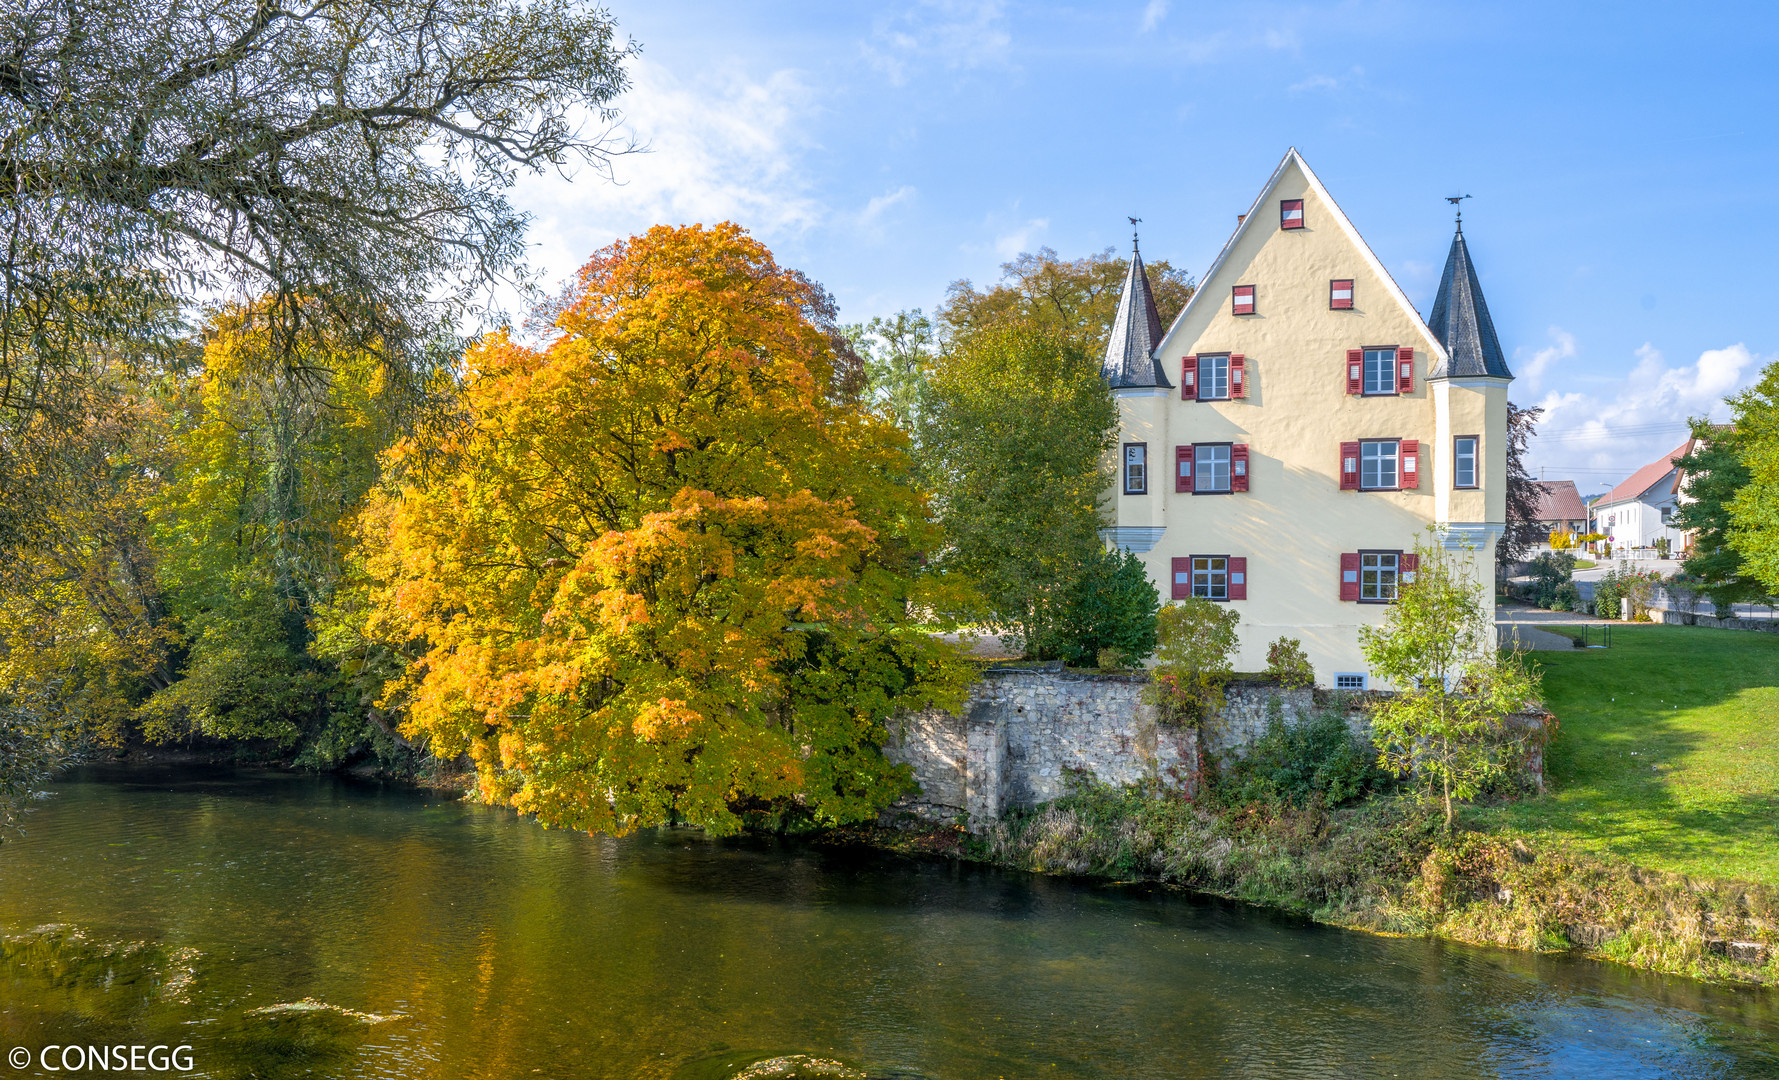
{"type": "Point", "coordinates": [668, 568]}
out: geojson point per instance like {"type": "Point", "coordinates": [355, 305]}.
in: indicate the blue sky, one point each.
{"type": "Point", "coordinates": [1621, 159]}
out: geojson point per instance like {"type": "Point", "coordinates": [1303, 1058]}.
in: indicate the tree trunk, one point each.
{"type": "Point", "coordinates": [1448, 804]}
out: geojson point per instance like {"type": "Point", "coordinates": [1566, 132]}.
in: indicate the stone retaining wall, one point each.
{"type": "Point", "coordinates": [1024, 730]}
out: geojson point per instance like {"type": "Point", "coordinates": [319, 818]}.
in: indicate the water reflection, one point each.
{"type": "Point", "coordinates": [511, 951]}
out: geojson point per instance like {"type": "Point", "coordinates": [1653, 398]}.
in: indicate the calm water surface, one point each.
{"type": "Point", "coordinates": [505, 950]}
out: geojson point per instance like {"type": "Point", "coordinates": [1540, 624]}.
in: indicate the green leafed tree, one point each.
{"type": "Point", "coordinates": [1015, 433]}
{"type": "Point", "coordinates": [1715, 473]}
{"type": "Point", "coordinates": [1448, 725]}
{"type": "Point", "coordinates": [1074, 300]}
{"type": "Point", "coordinates": [1753, 532]}
{"type": "Point", "coordinates": [354, 154]}
{"type": "Point", "coordinates": [898, 354]}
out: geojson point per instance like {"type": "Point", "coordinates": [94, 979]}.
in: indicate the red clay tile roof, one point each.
{"type": "Point", "coordinates": [1559, 501]}
{"type": "Point", "coordinates": [1645, 478]}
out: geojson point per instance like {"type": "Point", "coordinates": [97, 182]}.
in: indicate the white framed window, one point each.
{"type": "Point", "coordinates": [1210, 577]}
{"type": "Point", "coordinates": [1464, 461]}
{"type": "Point", "coordinates": [1136, 468]}
{"type": "Point", "coordinates": [1380, 371]}
{"type": "Point", "coordinates": [1210, 467]}
{"type": "Point", "coordinates": [1378, 575]}
{"type": "Point", "coordinates": [1349, 680]}
{"type": "Point", "coordinates": [1213, 378]}
{"type": "Point", "coordinates": [1378, 459]}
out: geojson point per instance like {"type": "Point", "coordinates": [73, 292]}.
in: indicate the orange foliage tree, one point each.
{"type": "Point", "coordinates": [669, 567]}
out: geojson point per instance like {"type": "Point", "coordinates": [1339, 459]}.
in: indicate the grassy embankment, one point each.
{"type": "Point", "coordinates": [1656, 844]}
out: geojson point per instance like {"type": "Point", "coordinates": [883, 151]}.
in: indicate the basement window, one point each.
{"type": "Point", "coordinates": [1349, 680]}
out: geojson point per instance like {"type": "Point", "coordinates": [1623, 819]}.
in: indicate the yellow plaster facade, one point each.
{"type": "Point", "coordinates": [1294, 522]}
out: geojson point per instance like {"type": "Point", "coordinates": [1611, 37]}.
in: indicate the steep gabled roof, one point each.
{"type": "Point", "coordinates": [1558, 500]}
{"type": "Point", "coordinates": [1135, 332]}
{"type": "Point", "coordinates": [1638, 483]}
{"type": "Point", "coordinates": [1461, 321]}
{"type": "Point", "coordinates": [1248, 221]}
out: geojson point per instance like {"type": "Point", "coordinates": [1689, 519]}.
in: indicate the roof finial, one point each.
{"type": "Point", "coordinates": [1458, 201]}
{"type": "Point", "coordinates": [1133, 231]}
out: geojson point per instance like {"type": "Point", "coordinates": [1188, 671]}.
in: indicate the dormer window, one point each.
{"type": "Point", "coordinates": [1340, 294]}
{"type": "Point", "coordinates": [1290, 213]}
{"type": "Point", "coordinates": [1241, 299]}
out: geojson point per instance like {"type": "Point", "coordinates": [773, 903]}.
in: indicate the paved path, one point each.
{"type": "Point", "coordinates": [1518, 624]}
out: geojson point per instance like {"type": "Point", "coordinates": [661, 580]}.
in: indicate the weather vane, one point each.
{"type": "Point", "coordinates": [1458, 201]}
{"type": "Point", "coordinates": [1133, 229]}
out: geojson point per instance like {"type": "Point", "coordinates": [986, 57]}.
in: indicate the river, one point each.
{"type": "Point", "coordinates": [481, 945]}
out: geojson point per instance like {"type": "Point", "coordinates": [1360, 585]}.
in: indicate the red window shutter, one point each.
{"type": "Point", "coordinates": [1238, 376]}
{"type": "Point", "coordinates": [1241, 299]}
{"type": "Point", "coordinates": [1290, 213]}
{"type": "Point", "coordinates": [1349, 575]}
{"type": "Point", "coordinates": [1238, 578]}
{"type": "Point", "coordinates": [1183, 468]}
{"type": "Point", "coordinates": [1405, 371]}
{"type": "Point", "coordinates": [1238, 467]}
{"type": "Point", "coordinates": [1349, 466]}
{"type": "Point", "coordinates": [1411, 465]}
{"type": "Point", "coordinates": [1407, 564]}
{"type": "Point", "coordinates": [1340, 294]}
{"type": "Point", "coordinates": [1189, 378]}
{"type": "Point", "coordinates": [1182, 570]}
{"type": "Point", "coordinates": [1355, 371]}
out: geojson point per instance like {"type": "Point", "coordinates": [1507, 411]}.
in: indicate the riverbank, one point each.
{"type": "Point", "coordinates": [1386, 866]}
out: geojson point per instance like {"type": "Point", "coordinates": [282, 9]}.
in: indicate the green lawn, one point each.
{"type": "Point", "coordinates": [1585, 564]}
{"type": "Point", "coordinates": [1667, 751]}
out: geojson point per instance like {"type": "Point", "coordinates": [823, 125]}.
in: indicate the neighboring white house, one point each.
{"type": "Point", "coordinates": [1639, 511]}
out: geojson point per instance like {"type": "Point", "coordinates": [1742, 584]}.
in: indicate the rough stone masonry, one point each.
{"type": "Point", "coordinates": [1023, 730]}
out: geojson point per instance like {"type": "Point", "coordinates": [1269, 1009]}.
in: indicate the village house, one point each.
{"type": "Point", "coordinates": [1287, 439]}
{"type": "Point", "coordinates": [1640, 510]}
{"type": "Point", "coordinates": [1560, 509]}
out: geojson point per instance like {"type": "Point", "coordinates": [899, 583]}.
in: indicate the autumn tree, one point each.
{"type": "Point", "coordinates": [1071, 300]}
{"type": "Point", "coordinates": [666, 567]}
{"type": "Point", "coordinates": [1448, 723]}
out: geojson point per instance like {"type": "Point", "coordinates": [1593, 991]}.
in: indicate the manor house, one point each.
{"type": "Point", "coordinates": [1286, 439]}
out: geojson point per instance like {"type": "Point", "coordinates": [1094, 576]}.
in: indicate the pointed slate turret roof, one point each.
{"type": "Point", "coordinates": [1136, 331]}
{"type": "Point", "coordinates": [1461, 321]}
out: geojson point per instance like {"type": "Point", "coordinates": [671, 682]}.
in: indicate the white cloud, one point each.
{"type": "Point", "coordinates": [720, 147]}
{"type": "Point", "coordinates": [1531, 372]}
{"type": "Point", "coordinates": [1153, 14]}
{"type": "Point", "coordinates": [1011, 243]}
{"type": "Point", "coordinates": [952, 33]}
{"type": "Point", "coordinates": [1315, 82]}
{"type": "Point", "coordinates": [1598, 439]}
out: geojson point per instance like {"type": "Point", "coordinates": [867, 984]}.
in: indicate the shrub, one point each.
{"type": "Point", "coordinates": [1286, 662]}
{"type": "Point", "coordinates": [1566, 597]}
{"type": "Point", "coordinates": [1550, 571]}
{"type": "Point", "coordinates": [1623, 582]}
{"type": "Point", "coordinates": [1662, 547]}
{"type": "Point", "coordinates": [1318, 757]}
{"type": "Point", "coordinates": [1195, 644]}
{"type": "Point", "coordinates": [1108, 610]}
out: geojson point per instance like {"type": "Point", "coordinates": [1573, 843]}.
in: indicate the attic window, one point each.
{"type": "Point", "coordinates": [1290, 213]}
{"type": "Point", "coordinates": [1340, 294]}
{"type": "Point", "coordinates": [1242, 300]}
